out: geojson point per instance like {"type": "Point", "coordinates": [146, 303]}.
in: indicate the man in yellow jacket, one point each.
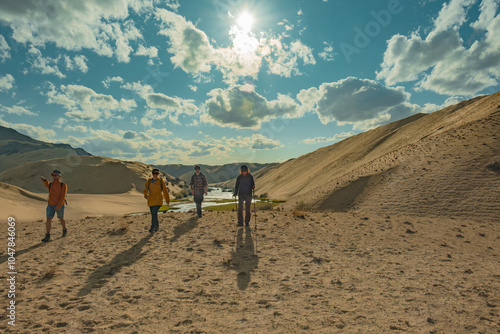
{"type": "Point", "coordinates": [153, 190]}
{"type": "Point", "coordinates": [57, 198]}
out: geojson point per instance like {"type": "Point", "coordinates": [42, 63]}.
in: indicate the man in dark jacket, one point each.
{"type": "Point", "coordinates": [244, 188]}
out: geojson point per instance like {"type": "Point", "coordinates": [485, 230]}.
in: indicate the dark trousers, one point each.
{"type": "Point", "coordinates": [154, 216]}
{"type": "Point", "coordinates": [247, 199]}
{"type": "Point", "coordinates": [198, 198]}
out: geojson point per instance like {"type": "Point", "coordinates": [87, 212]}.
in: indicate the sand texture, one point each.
{"type": "Point", "coordinates": [291, 273]}
{"type": "Point", "coordinates": [443, 164]}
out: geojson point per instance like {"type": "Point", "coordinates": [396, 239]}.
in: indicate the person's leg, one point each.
{"type": "Point", "coordinates": [48, 225]}
{"type": "Point", "coordinates": [248, 206]}
{"type": "Point", "coordinates": [157, 225]}
{"type": "Point", "coordinates": [198, 199]}
{"type": "Point", "coordinates": [60, 215]}
{"type": "Point", "coordinates": [50, 211]}
{"type": "Point", "coordinates": [154, 217]}
{"type": "Point", "coordinates": [240, 210]}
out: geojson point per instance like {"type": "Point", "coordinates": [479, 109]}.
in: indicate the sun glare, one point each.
{"type": "Point", "coordinates": [245, 21]}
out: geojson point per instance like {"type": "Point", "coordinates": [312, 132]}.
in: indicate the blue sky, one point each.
{"type": "Point", "coordinates": [224, 81]}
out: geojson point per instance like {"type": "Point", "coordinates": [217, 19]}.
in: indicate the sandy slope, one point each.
{"type": "Point", "coordinates": [317, 273]}
{"type": "Point", "coordinates": [440, 164]}
{"type": "Point", "coordinates": [25, 205]}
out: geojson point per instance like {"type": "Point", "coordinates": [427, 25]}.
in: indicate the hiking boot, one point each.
{"type": "Point", "coordinates": [247, 224]}
{"type": "Point", "coordinates": [65, 232]}
{"type": "Point", "coordinates": [240, 224]}
{"type": "Point", "coordinates": [47, 237]}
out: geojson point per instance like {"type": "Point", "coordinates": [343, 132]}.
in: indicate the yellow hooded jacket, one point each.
{"type": "Point", "coordinates": [155, 192]}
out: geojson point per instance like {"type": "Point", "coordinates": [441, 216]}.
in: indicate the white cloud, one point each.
{"type": "Point", "coordinates": [17, 110]}
{"type": "Point", "coordinates": [44, 65]}
{"type": "Point", "coordinates": [76, 128]}
{"type": "Point", "coordinates": [75, 25]}
{"type": "Point", "coordinates": [48, 65]}
{"type": "Point", "coordinates": [284, 59]}
{"type": "Point", "coordinates": [36, 132]}
{"type": "Point", "coordinates": [77, 63]}
{"type": "Point", "coordinates": [335, 138]}
{"type": "Point", "coordinates": [452, 14]}
{"type": "Point", "coordinates": [85, 104]}
{"type": "Point", "coordinates": [363, 103]}
{"type": "Point", "coordinates": [107, 82]}
{"type": "Point", "coordinates": [151, 52]}
{"type": "Point", "coordinates": [327, 53]}
{"type": "Point", "coordinates": [440, 61]}
{"type": "Point", "coordinates": [261, 142]}
{"type": "Point", "coordinates": [4, 49]}
{"type": "Point", "coordinates": [161, 105]}
{"type": "Point", "coordinates": [353, 101]}
{"type": "Point", "coordinates": [190, 46]}
{"type": "Point", "coordinates": [154, 146]}
{"type": "Point", "coordinates": [239, 108]}
{"type": "Point", "coordinates": [487, 14]}
{"type": "Point", "coordinates": [6, 82]}
{"type": "Point", "coordinates": [194, 54]}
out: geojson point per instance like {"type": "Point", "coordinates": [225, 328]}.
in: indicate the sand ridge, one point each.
{"type": "Point", "coordinates": [437, 164]}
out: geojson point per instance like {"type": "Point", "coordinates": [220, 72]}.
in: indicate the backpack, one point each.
{"type": "Point", "coordinates": [50, 185]}
{"type": "Point", "coordinates": [161, 183]}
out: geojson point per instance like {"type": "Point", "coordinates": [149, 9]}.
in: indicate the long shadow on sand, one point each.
{"type": "Point", "coordinates": [184, 228]}
{"type": "Point", "coordinates": [126, 258]}
{"type": "Point", "coordinates": [244, 258]}
{"type": "Point", "coordinates": [5, 257]}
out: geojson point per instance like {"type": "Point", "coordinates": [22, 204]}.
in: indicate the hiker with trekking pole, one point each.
{"type": "Point", "coordinates": [244, 189]}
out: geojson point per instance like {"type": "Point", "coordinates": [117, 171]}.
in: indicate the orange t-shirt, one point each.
{"type": "Point", "coordinates": [57, 194]}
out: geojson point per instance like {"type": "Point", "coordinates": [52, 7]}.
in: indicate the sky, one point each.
{"type": "Point", "coordinates": [214, 82]}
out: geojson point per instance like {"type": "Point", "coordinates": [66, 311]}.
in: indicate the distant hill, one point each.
{"type": "Point", "coordinates": [439, 164]}
{"type": "Point", "coordinates": [16, 149]}
{"type": "Point", "coordinates": [89, 175]}
{"type": "Point", "coordinates": [214, 174]}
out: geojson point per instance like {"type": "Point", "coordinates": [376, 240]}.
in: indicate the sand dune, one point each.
{"type": "Point", "coordinates": [435, 164]}
{"type": "Point", "coordinates": [25, 205]}
{"type": "Point", "coordinates": [87, 175]}
{"type": "Point", "coordinates": [303, 273]}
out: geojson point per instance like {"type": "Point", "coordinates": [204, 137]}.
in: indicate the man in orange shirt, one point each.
{"type": "Point", "coordinates": [57, 197]}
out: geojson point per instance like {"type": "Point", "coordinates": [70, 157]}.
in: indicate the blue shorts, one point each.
{"type": "Point", "coordinates": [51, 211]}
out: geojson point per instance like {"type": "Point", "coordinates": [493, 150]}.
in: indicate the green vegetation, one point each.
{"type": "Point", "coordinates": [164, 208]}
{"type": "Point", "coordinates": [180, 200]}
{"type": "Point", "coordinates": [226, 207]}
{"type": "Point", "coordinates": [225, 201]}
{"type": "Point", "coordinates": [260, 205]}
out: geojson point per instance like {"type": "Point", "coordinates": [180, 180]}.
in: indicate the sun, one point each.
{"type": "Point", "coordinates": [245, 21]}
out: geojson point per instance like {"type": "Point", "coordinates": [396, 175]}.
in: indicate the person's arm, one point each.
{"type": "Point", "coordinates": [165, 194]}
{"type": "Point", "coordinates": [146, 189]}
{"type": "Point", "coordinates": [64, 191]}
{"type": "Point", "coordinates": [237, 186]}
{"type": "Point", "coordinates": [205, 185]}
{"type": "Point", "coordinates": [191, 183]}
{"type": "Point", "coordinates": [45, 182]}
{"type": "Point", "coordinates": [253, 183]}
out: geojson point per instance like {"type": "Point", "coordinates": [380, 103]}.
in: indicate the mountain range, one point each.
{"type": "Point", "coordinates": [16, 149]}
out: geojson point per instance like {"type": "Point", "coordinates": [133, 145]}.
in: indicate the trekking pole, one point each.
{"type": "Point", "coordinates": [254, 210]}
{"type": "Point", "coordinates": [255, 220]}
